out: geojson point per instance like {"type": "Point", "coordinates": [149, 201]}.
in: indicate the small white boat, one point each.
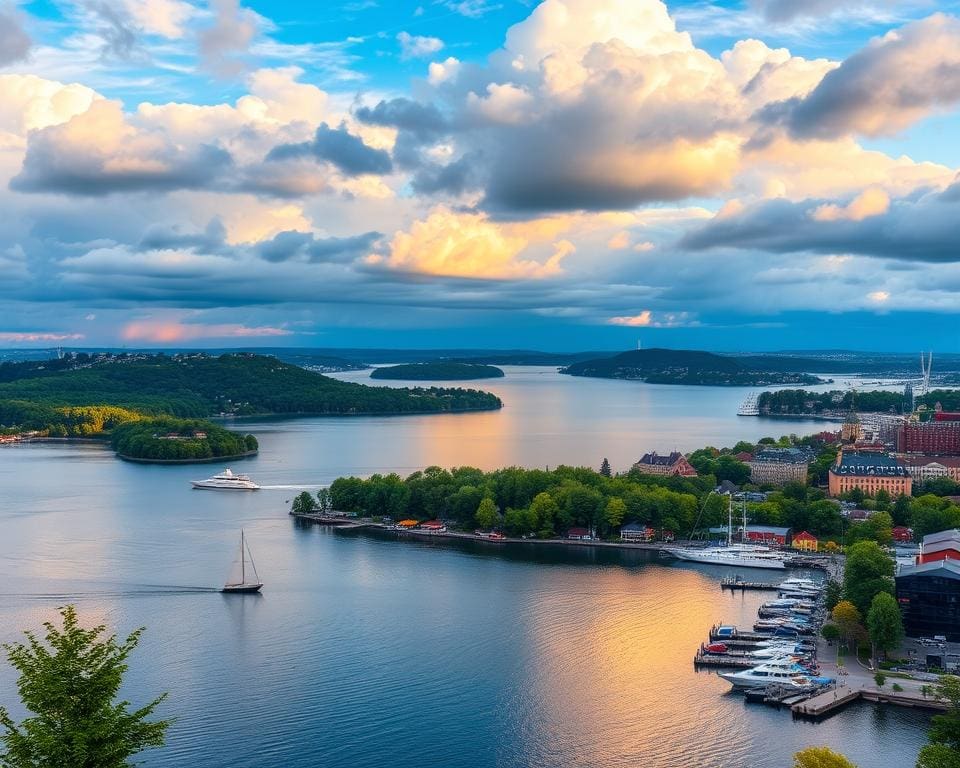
{"type": "Point", "coordinates": [248, 580]}
{"type": "Point", "coordinates": [226, 481]}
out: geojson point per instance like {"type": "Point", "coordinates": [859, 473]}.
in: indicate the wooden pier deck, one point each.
{"type": "Point", "coordinates": [825, 703]}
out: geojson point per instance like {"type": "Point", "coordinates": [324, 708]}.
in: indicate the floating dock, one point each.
{"type": "Point", "coordinates": [826, 703]}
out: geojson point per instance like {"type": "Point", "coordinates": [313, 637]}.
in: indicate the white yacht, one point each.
{"type": "Point", "coordinates": [783, 671]}
{"type": "Point", "coordinates": [226, 481]}
{"type": "Point", "coordinates": [737, 555]}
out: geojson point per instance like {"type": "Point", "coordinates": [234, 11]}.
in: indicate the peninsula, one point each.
{"type": "Point", "coordinates": [91, 396]}
{"type": "Point", "coordinates": [680, 366]}
{"type": "Point", "coordinates": [437, 371]}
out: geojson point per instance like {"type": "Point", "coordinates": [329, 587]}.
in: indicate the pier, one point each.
{"type": "Point", "coordinates": [737, 583]}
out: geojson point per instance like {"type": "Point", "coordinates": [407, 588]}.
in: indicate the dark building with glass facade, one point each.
{"type": "Point", "coordinates": [929, 597]}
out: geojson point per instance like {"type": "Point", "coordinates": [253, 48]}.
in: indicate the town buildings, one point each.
{"type": "Point", "coordinates": [637, 532]}
{"type": "Point", "coordinates": [938, 437]}
{"type": "Point", "coordinates": [779, 466]}
{"type": "Point", "coordinates": [929, 592]}
{"type": "Point", "coordinates": [672, 464]}
{"type": "Point", "coordinates": [870, 472]}
{"type": "Point", "coordinates": [805, 542]}
{"type": "Point", "coordinates": [924, 468]}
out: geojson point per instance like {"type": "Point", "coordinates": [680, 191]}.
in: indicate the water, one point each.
{"type": "Point", "coordinates": [365, 651]}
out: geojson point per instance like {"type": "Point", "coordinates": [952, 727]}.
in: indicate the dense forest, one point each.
{"type": "Point", "coordinates": [170, 439]}
{"type": "Point", "coordinates": [439, 371]}
{"type": "Point", "coordinates": [196, 385]}
{"type": "Point", "coordinates": [801, 401]}
{"type": "Point", "coordinates": [677, 366]}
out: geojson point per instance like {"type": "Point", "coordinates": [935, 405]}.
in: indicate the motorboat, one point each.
{"type": "Point", "coordinates": [782, 672]}
{"type": "Point", "coordinates": [226, 481]}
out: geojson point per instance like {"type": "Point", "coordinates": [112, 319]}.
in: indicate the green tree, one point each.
{"type": "Point", "coordinates": [615, 512]}
{"type": "Point", "coordinates": [303, 504]}
{"type": "Point", "coordinates": [880, 679]}
{"type": "Point", "coordinates": [323, 499]}
{"type": "Point", "coordinates": [70, 684]}
{"type": "Point", "coordinates": [820, 757]}
{"type": "Point", "coordinates": [849, 621]}
{"type": "Point", "coordinates": [487, 515]}
{"type": "Point", "coordinates": [945, 728]}
{"type": "Point", "coordinates": [605, 468]}
{"type": "Point", "coordinates": [885, 623]}
{"type": "Point", "coordinates": [938, 756]}
{"type": "Point", "coordinates": [869, 570]}
{"type": "Point", "coordinates": [544, 508]}
{"type": "Point", "coordinates": [830, 632]}
{"type": "Point", "coordinates": [832, 594]}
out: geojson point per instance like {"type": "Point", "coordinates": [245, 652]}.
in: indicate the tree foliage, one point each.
{"type": "Point", "coordinates": [868, 571]}
{"type": "Point", "coordinates": [820, 757]}
{"type": "Point", "coordinates": [167, 438]}
{"type": "Point", "coordinates": [849, 621]}
{"type": "Point", "coordinates": [885, 623]}
{"type": "Point", "coordinates": [487, 515]}
{"type": "Point", "coordinates": [69, 683]}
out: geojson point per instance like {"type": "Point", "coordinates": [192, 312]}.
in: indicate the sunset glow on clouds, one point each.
{"type": "Point", "coordinates": [613, 165]}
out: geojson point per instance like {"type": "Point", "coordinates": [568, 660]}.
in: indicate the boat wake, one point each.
{"type": "Point", "coordinates": [300, 487]}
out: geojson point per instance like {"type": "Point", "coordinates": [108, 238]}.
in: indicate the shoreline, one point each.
{"type": "Point", "coordinates": [320, 415]}
{"type": "Point", "coordinates": [205, 460]}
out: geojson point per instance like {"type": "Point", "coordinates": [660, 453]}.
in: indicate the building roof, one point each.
{"type": "Point", "coordinates": [923, 461]}
{"type": "Point", "coordinates": [577, 532]}
{"type": "Point", "coordinates": [949, 569]}
{"type": "Point", "coordinates": [633, 527]}
{"type": "Point", "coordinates": [727, 487]}
{"type": "Point", "coordinates": [781, 456]}
{"type": "Point", "coordinates": [951, 534]}
{"type": "Point", "coordinates": [743, 456]}
{"type": "Point", "coordinates": [804, 536]}
{"type": "Point", "coordinates": [656, 460]}
{"type": "Point", "coordinates": [869, 465]}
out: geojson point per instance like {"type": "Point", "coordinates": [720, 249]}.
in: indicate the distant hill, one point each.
{"type": "Point", "coordinates": [680, 366]}
{"type": "Point", "coordinates": [439, 371]}
{"type": "Point", "coordinates": [197, 385]}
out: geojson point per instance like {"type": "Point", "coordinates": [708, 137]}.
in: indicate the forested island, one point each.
{"type": "Point", "coordinates": [679, 366]}
{"type": "Point", "coordinates": [836, 403]}
{"type": "Point", "coordinates": [438, 371]}
{"type": "Point", "coordinates": [179, 440]}
{"type": "Point", "coordinates": [93, 395]}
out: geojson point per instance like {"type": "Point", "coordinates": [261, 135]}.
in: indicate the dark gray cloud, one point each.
{"type": "Point", "coordinates": [423, 121]}
{"type": "Point", "coordinates": [15, 43]}
{"type": "Point", "coordinates": [340, 148]}
{"type": "Point", "coordinates": [453, 178]}
{"type": "Point", "coordinates": [883, 88]}
{"type": "Point", "coordinates": [304, 246]}
{"type": "Point", "coordinates": [52, 166]}
{"type": "Point", "coordinates": [925, 230]}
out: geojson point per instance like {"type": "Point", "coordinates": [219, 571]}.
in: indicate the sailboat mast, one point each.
{"type": "Point", "coordinates": [743, 537]}
{"type": "Point", "coordinates": [243, 560]}
{"type": "Point", "coordinates": [730, 521]}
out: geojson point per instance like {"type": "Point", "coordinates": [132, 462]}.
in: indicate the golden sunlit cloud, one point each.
{"type": "Point", "coordinates": [636, 321]}
{"type": "Point", "coordinates": [879, 296]}
{"type": "Point", "coordinates": [871, 202]}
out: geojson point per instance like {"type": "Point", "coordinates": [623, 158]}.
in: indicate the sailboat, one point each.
{"type": "Point", "coordinates": [243, 586]}
{"type": "Point", "coordinates": [738, 555]}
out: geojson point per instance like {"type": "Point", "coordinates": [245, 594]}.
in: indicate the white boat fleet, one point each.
{"type": "Point", "coordinates": [226, 481]}
{"type": "Point", "coordinates": [777, 654]}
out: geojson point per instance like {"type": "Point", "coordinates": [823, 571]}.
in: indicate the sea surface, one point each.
{"type": "Point", "coordinates": [368, 651]}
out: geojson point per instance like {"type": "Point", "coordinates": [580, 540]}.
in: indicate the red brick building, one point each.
{"type": "Point", "coordinates": [938, 437]}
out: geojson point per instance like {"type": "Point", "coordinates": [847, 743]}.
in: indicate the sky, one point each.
{"type": "Point", "coordinates": [570, 174]}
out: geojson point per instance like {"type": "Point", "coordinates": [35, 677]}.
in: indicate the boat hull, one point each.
{"type": "Point", "coordinates": [205, 486]}
{"type": "Point", "coordinates": [241, 589]}
{"type": "Point", "coordinates": [731, 562]}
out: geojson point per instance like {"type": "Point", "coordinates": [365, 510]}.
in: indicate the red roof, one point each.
{"type": "Point", "coordinates": [804, 536]}
{"type": "Point", "coordinates": [578, 532]}
{"type": "Point", "coordinates": [743, 456]}
{"type": "Point", "coordinates": [432, 524]}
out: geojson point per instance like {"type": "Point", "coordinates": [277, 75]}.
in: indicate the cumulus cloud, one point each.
{"type": "Point", "coordinates": [924, 228]}
{"type": "Point", "coordinates": [98, 152]}
{"type": "Point", "coordinates": [166, 18]}
{"type": "Point", "coordinates": [418, 46]}
{"type": "Point", "coordinates": [15, 43]}
{"type": "Point", "coordinates": [339, 147]}
{"type": "Point", "coordinates": [471, 245]}
{"type": "Point", "coordinates": [890, 84]}
{"type": "Point", "coordinates": [305, 246]}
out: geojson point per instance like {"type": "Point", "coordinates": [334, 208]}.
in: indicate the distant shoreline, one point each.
{"type": "Point", "coordinates": [205, 460]}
